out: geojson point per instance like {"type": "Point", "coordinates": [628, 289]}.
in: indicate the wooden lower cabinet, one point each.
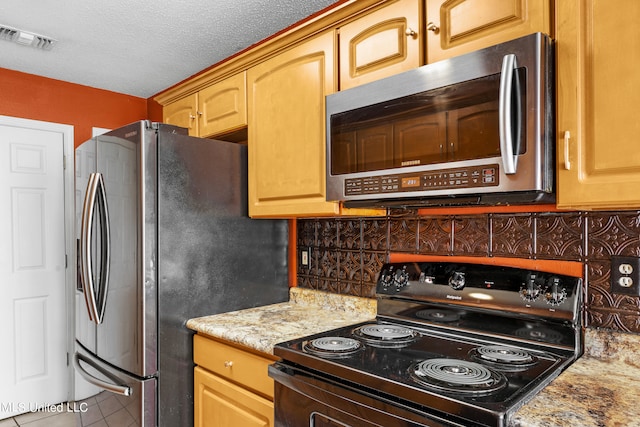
{"type": "Point", "coordinates": [231, 385]}
{"type": "Point", "coordinates": [221, 403]}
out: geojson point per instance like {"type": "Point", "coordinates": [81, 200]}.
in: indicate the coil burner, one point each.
{"type": "Point", "coordinates": [332, 346]}
{"type": "Point", "coordinates": [438, 315]}
{"type": "Point", "coordinates": [504, 357]}
{"type": "Point", "coordinates": [540, 334]}
{"type": "Point", "coordinates": [457, 376]}
{"type": "Point", "coordinates": [381, 335]}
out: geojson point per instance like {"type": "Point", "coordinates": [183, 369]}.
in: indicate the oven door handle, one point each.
{"type": "Point", "coordinates": [506, 116]}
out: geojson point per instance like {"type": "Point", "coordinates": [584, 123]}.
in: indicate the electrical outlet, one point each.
{"type": "Point", "coordinates": [625, 275]}
{"type": "Point", "coordinates": [305, 257]}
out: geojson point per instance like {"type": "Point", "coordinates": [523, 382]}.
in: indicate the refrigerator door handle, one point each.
{"type": "Point", "coordinates": [95, 194]}
{"type": "Point", "coordinates": [105, 253]}
{"type": "Point", "coordinates": [123, 390]}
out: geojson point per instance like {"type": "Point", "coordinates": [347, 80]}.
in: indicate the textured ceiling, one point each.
{"type": "Point", "coordinates": [140, 47]}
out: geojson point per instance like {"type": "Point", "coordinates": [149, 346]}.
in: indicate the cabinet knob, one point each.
{"type": "Point", "coordinates": [433, 27]}
{"type": "Point", "coordinates": [410, 32]}
{"type": "Point", "coordinates": [228, 363]}
{"type": "Point", "coordinates": [191, 116]}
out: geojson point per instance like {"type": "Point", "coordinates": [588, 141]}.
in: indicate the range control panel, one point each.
{"type": "Point", "coordinates": [468, 177]}
{"type": "Point", "coordinates": [483, 286]}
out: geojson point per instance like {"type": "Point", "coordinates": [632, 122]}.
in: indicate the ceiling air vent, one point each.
{"type": "Point", "coordinates": [26, 38]}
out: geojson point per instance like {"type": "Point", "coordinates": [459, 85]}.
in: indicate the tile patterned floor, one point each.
{"type": "Point", "coordinates": [102, 410]}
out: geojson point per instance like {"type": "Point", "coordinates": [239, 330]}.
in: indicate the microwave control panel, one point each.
{"type": "Point", "coordinates": [442, 179]}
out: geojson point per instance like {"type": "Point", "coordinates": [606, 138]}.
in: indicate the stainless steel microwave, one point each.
{"type": "Point", "coordinates": [474, 129]}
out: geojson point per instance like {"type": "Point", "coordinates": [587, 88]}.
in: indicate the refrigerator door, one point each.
{"type": "Point", "coordinates": [135, 398]}
{"type": "Point", "coordinates": [118, 300]}
{"type": "Point", "coordinates": [85, 167]}
{"type": "Point", "coordinates": [118, 329]}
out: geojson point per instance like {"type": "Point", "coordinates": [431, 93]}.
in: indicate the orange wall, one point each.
{"type": "Point", "coordinates": [39, 98]}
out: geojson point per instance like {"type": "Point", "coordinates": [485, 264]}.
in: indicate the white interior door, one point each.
{"type": "Point", "coordinates": [35, 280]}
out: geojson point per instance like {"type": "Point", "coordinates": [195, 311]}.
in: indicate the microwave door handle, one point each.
{"type": "Point", "coordinates": [113, 386]}
{"type": "Point", "coordinates": [105, 253]}
{"type": "Point", "coordinates": [509, 160]}
{"type": "Point", "coordinates": [86, 256]}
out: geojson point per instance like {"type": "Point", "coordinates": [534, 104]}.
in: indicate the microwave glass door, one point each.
{"type": "Point", "coordinates": [444, 125]}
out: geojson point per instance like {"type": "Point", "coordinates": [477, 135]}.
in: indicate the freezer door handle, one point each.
{"type": "Point", "coordinates": [95, 202]}
{"type": "Point", "coordinates": [112, 387]}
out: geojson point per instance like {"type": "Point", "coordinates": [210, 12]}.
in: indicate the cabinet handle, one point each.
{"type": "Point", "coordinates": [410, 32]}
{"type": "Point", "coordinates": [199, 113]}
{"type": "Point", "coordinates": [191, 116]}
{"type": "Point", "coordinates": [567, 162]}
{"type": "Point", "coordinates": [228, 363]}
{"type": "Point", "coordinates": [433, 27]}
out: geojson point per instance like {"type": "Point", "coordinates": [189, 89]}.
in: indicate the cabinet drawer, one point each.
{"type": "Point", "coordinates": [240, 366]}
{"type": "Point", "coordinates": [220, 403]}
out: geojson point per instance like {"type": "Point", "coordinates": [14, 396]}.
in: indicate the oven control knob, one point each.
{"type": "Point", "coordinates": [531, 290]}
{"type": "Point", "coordinates": [386, 278]}
{"type": "Point", "coordinates": [456, 280]}
{"type": "Point", "coordinates": [555, 294]}
{"type": "Point", "coordinates": [401, 278]}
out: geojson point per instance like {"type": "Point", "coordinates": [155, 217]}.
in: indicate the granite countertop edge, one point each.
{"type": "Point", "coordinates": [307, 312]}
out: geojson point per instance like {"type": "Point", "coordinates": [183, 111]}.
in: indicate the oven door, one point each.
{"type": "Point", "coordinates": [305, 399]}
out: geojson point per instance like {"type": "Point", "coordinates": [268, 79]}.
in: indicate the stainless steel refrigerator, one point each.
{"type": "Point", "coordinates": [163, 236]}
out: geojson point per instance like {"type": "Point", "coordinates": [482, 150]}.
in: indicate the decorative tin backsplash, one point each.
{"type": "Point", "coordinates": [347, 253]}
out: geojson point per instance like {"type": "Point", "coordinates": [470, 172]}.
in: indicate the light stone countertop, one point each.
{"type": "Point", "coordinates": [307, 312]}
{"type": "Point", "coordinates": [598, 390]}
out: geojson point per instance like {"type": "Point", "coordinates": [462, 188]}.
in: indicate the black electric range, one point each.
{"type": "Point", "coordinates": [452, 344]}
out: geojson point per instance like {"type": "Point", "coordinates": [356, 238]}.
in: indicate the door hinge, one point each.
{"type": "Point", "coordinates": [64, 161]}
{"type": "Point", "coordinates": [67, 358]}
{"type": "Point", "coordinates": [66, 261]}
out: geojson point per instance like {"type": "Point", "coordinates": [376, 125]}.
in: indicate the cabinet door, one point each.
{"type": "Point", "coordinates": [222, 107]}
{"type": "Point", "coordinates": [182, 113]}
{"type": "Point", "coordinates": [455, 27]}
{"type": "Point", "coordinates": [421, 140]}
{"type": "Point", "coordinates": [381, 43]}
{"type": "Point", "coordinates": [220, 403]}
{"type": "Point", "coordinates": [598, 56]}
{"type": "Point", "coordinates": [287, 130]}
{"type": "Point", "coordinates": [375, 148]}
{"type": "Point", "coordinates": [344, 152]}
{"type": "Point", "coordinates": [474, 132]}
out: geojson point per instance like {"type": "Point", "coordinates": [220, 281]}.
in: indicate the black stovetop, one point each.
{"type": "Point", "coordinates": [408, 295]}
{"type": "Point", "coordinates": [386, 371]}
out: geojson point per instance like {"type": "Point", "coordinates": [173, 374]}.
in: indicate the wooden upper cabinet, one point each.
{"type": "Point", "coordinates": [382, 43]}
{"type": "Point", "coordinates": [222, 107]}
{"type": "Point", "coordinates": [183, 113]}
{"type": "Point", "coordinates": [217, 109]}
{"type": "Point", "coordinates": [422, 138]}
{"type": "Point", "coordinates": [598, 93]}
{"type": "Point", "coordinates": [287, 130]}
{"type": "Point", "coordinates": [455, 27]}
